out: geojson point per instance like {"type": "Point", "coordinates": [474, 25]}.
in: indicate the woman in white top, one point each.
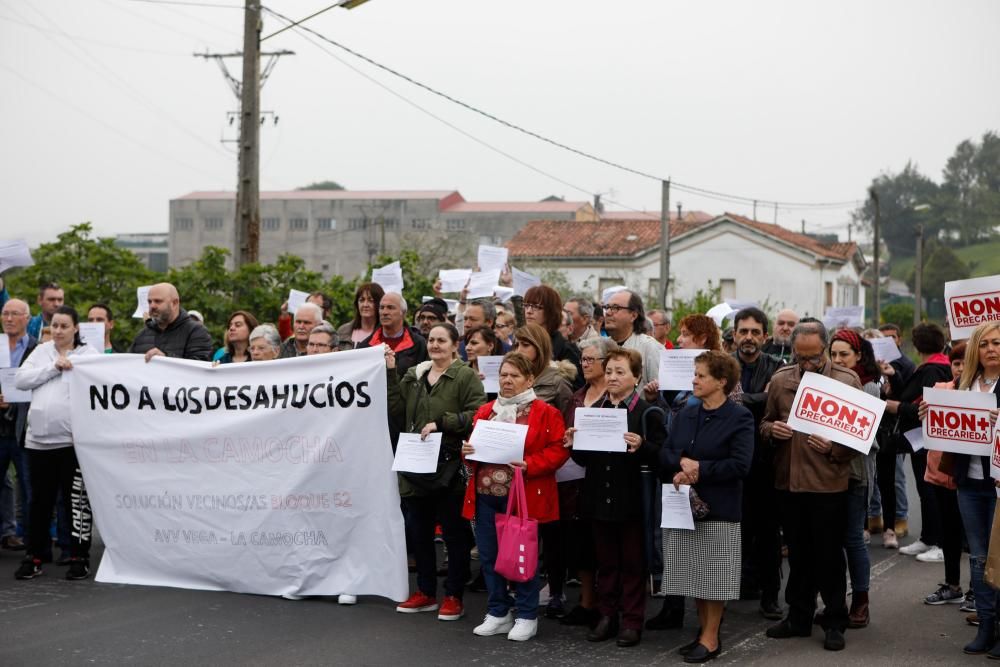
{"type": "Point", "coordinates": [49, 441]}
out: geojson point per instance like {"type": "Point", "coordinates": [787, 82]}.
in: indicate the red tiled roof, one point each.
{"type": "Point", "coordinates": [628, 238]}
{"type": "Point", "coordinates": [516, 206]}
{"type": "Point", "coordinates": [689, 216]}
{"type": "Point", "coordinates": [607, 238]}
{"type": "Point", "coordinates": [331, 194]}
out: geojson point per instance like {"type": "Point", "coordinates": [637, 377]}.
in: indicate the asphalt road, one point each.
{"type": "Point", "coordinates": [51, 621]}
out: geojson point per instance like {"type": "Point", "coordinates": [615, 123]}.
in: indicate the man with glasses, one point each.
{"type": "Point", "coordinates": [811, 475]}
{"type": "Point", "coordinates": [661, 328]}
{"type": "Point", "coordinates": [761, 537]}
{"type": "Point", "coordinates": [504, 329]}
{"type": "Point", "coordinates": [779, 345]}
{"type": "Point", "coordinates": [625, 320]}
{"type": "Point", "coordinates": [323, 339]}
{"type": "Point", "coordinates": [429, 314]}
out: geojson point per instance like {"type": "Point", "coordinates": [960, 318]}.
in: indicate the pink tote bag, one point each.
{"type": "Point", "coordinates": [517, 536]}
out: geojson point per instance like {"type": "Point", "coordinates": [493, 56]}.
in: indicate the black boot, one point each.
{"type": "Point", "coordinates": [670, 617]}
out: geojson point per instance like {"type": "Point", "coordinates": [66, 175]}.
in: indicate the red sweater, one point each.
{"type": "Point", "coordinates": [543, 452]}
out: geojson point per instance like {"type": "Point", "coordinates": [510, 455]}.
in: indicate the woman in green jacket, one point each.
{"type": "Point", "coordinates": [440, 395]}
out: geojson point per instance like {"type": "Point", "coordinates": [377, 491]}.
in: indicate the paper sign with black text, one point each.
{"type": "Point", "coordinates": [835, 411]}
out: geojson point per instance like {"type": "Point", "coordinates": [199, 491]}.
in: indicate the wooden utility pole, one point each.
{"type": "Point", "coordinates": [248, 187]}
{"type": "Point", "coordinates": [918, 275]}
{"type": "Point", "coordinates": [877, 303]}
{"type": "Point", "coordinates": [665, 245]}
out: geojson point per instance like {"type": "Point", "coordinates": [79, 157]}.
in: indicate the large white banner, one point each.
{"type": "Point", "coordinates": [267, 478]}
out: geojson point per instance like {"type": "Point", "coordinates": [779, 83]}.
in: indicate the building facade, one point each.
{"type": "Point", "coordinates": [152, 249]}
{"type": "Point", "coordinates": [341, 231]}
{"type": "Point", "coordinates": [749, 261]}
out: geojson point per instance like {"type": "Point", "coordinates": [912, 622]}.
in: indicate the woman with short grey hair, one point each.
{"type": "Point", "coordinates": [265, 343]}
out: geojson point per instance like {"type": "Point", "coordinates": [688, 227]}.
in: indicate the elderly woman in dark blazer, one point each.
{"type": "Point", "coordinates": [710, 447]}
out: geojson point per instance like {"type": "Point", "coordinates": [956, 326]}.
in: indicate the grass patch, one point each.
{"type": "Point", "coordinates": [983, 259]}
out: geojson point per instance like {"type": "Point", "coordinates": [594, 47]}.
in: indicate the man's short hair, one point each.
{"type": "Point", "coordinates": [310, 307]}
{"type": "Point", "coordinates": [47, 286]}
{"type": "Point", "coordinates": [928, 338]}
{"type": "Point", "coordinates": [751, 312]}
{"type": "Point", "coordinates": [584, 305]}
{"type": "Point", "coordinates": [811, 328]}
{"type": "Point", "coordinates": [889, 326]}
{"type": "Point", "coordinates": [489, 309]}
{"type": "Point", "coordinates": [402, 301]}
{"type": "Point", "coordinates": [106, 308]}
{"type": "Point", "coordinates": [327, 328]}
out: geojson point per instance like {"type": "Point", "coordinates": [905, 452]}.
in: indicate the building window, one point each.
{"type": "Point", "coordinates": [848, 294]}
{"type": "Point", "coordinates": [326, 224]}
{"type": "Point", "coordinates": [654, 290]}
{"type": "Point", "coordinates": [183, 224]}
{"type": "Point", "coordinates": [490, 240]}
{"type": "Point", "coordinates": [298, 224]}
{"type": "Point", "coordinates": [213, 224]}
{"type": "Point", "coordinates": [270, 224]}
{"type": "Point", "coordinates": [727, 288]}
{"type": "Point", "coordinates": [357, 223]}
{"type": "Point", "coordinates": [420, 223]}
{"type": "Point", "coordinates": [605, 283]}
{"type": "Point", "coordinates": [391, 223]}
{"type": "Point", "coordinates": [828, 294]}
{"type": "Point", "coordinates": [456, 225]}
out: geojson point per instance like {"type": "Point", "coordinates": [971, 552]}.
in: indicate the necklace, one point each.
{"type": "Point", "coordinates": [989, 382]}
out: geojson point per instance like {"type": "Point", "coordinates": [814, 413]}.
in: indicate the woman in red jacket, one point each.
{"type": "Point", "coordinates": [489, 485]}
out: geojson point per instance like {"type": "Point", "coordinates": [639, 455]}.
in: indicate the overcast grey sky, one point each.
{"type": "Point", "coordinates": [106, 115]}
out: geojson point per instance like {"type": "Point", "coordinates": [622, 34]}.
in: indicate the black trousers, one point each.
{"type": "Point", "coordinates": [951, 533]}
{"type": "Point", "coordinates": [885, 476]}
{"type": "Point", "coordinates": [422, 512]}
{"type": "Point", "coordinates": [55, 473]}
{"type": "Point", "coordinates": [760, 533]}
{"type": "Point", "coordinates": [814, 525]}
{"type": "Point", "coordinates": [930, 511]}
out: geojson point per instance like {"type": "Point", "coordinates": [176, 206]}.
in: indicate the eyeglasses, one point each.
{"type": "Point", "coordinates": [533, 306]}
{"type": "Point", "coordinates": [612, 309]}
{"type": "Point", "coordinates": [501, 326]}
{"type": "Point", "coordinates": [662, 324]}
{"type": "Point", "coordinates": [813, 361]}
{"type": "Point", "coordinates": [590, 360]}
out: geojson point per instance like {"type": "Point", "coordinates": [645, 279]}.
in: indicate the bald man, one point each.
{"type": "Point", "coordinates": [779, 345]}
{"type": "Point", "coordinates": [170, 331]}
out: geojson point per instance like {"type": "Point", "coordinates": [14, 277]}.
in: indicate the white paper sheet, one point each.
{"type": "Point", "coordinates": [497, 442]}
{"type": "Point", "coordinates": [416, 455]}
{"type": "Point", "coordinates": [490, 368]}
{"type": "Point", "coordinates": [503, 293]}
{"type": "Point", "coordinates": [454, 280]}
{"type": "Point", "coordinates": [959, 421]}
{"type": "Point", "coordinates": [481, 284]}
{"type": "Point", "coordinates": [844, 317]}
{"type": "Point", "coordinates": [92, 333]}
{"type": "Point", "coordinates": [14, 252]}
{"type": "Point", "coordinates": [676, 505]}
{"type": "Point", "coordinates": [915, 436]}
{"type": "Point", "coordinates": [720, 312]}
{"type": "Point", "coordinates": [600, 430]}
{"type": "Point", "coordinates": [833, 410]}
{"type": "Point", "coordinates": [569, 471]}
{"type": "Point", "coordinates": [389, 277]}
{"type": "Point", "coordinates": [295, 299]}
{"type": "Point", "coordinates": [970, 303]}
{"type": "Point", "coordinates": [524, 281]}
{"type": "Point", "coordinates": [885, 349]}
{"type": "Point", "coordinates": [11, 394]}
{"type": "Point", "coordinates": [4, 351]}
{"type": "Point", "coordinates": [142, 301]}
{"type": "Point", "coordinates": [677, 369]}
{"type": "Point", "coordinates": [492, 258]}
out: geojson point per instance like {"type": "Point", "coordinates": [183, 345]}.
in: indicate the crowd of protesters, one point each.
{"type": "Point", "coordinates": [760, 491]}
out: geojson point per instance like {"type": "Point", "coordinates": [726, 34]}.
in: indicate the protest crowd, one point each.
{"type": "Point", "coordinates": [755, 490]}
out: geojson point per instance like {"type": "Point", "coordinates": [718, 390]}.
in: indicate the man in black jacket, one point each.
{"type": "Point", "coordinates": [169, 331]}
{"type": "Point", "coordinates": [760, 533]}
{"type": "Point", "coordinates": [779, 345]}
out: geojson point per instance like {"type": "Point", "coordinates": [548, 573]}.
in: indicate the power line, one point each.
{"type": "Point", "coordinates": [513, 126]}
{"type": "Point", "coordinates": [299, 22]}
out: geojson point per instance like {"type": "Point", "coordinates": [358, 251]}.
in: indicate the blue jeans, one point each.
{"type": "Point", "coordinates": [902, 506]}
{"type": "Point", "coordinates": [11, 452]}
{"type": "Point", "coordinates": [858, 563]}
{"type": "Point", "coordinates": [976, 505]}
{"type": "Point", "coordinates": [498, 600]}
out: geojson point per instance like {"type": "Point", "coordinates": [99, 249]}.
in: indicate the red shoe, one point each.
{"type": "Point", "coordinates": [418, 602]}
{"type": "Point", "coordinates": [451, 609]}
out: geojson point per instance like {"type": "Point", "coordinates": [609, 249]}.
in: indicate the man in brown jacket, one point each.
{"type": "Point", "coordinates": [811, 475]}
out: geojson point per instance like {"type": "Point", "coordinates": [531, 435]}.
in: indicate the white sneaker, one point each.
{"type": "Point", "coordinates": [494, 625]}
{"type": "Point", "coordinates": [544, 596]}
{"type": "Point", "coordinates": [523, 630]}
{"type": "Point", "coordinates": [293, 596]}
{"type": "Point", "coordinates": [914, 549]}
{"type": "Point", "coordinates": [344, 598]}
{"type": "Point", "coordinates": [932, 555]}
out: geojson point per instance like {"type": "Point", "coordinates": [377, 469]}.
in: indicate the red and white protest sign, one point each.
{"type": "Point", "coordinates": [959, 421]}
{"type": "Point", "coordinates": [836, 411]}
{"type": "Point", "coordinates": [970, 303]}
{"type": "Point", "coordinates": [995, 459]}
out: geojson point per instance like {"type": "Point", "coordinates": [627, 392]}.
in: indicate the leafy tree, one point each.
{"type": "Point", "coordinates": [89, 270]}
{"type": "Point", "coordinates": [898, 195]}
{"type": "Point", "coordinates": [322, 185]}
{"type": "Point", "coordinates": [940, 266]}
{"type": "Point", "coordinates": [699, 304]}
{"type": "Point", "coordinates": [900, 314]}
{"type": "Point", "coordinates": [971, 189]}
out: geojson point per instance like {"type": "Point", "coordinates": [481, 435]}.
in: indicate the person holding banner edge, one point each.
{"type": "Point", "coordinates": [976, 494]}
{"type": "Point", "coordinates": [487, 492]}
{"type": "Point", "coordinates": [439, 395]}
